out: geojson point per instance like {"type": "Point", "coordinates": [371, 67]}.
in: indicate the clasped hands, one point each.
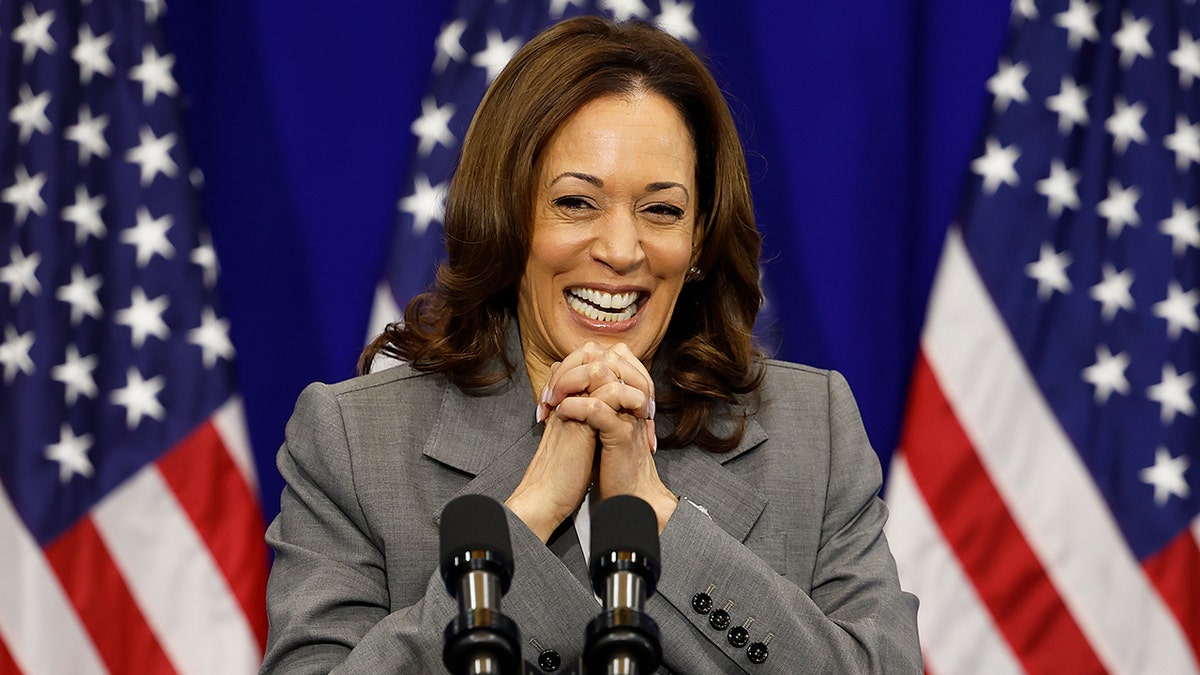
{"type": "Point", "coordinates": [598, 408]}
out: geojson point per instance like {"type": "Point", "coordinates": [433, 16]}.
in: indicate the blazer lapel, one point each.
{"type": "Point", "coordinates": [702, 478]}
{"type": "Point", "coordinates": [491, 438]}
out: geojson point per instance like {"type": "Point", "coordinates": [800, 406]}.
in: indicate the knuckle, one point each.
{"type": "Point", "coordinates": [595, 369]}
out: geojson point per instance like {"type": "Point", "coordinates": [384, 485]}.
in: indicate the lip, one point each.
{"type": "Point", "coordinates": [607, 326]}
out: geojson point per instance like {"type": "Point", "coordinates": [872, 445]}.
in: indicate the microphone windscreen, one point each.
{"type": "Point", "coordinates": [624, 523]}
{"type": "Point", "coordinates": [475, 523]}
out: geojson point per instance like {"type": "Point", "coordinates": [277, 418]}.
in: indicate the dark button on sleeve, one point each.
{"type": "Point", "coordinates": [549, 660]}
{"type": "Point", "coordinates": [719, 619]}
{"type": "Point", "coordinates": [757, 652]}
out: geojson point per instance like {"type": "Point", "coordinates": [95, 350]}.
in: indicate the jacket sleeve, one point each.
{"type": "Point", "coordinates": [854, 618]}
{"type": "Point", "coordinates": [327, 597]}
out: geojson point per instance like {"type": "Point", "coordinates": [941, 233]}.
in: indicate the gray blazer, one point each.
{"type": "Point", "coordinates": [786, 530]}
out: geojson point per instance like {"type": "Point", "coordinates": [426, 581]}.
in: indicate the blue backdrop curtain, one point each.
{"type": "Point", "coordinates": [859, 120]}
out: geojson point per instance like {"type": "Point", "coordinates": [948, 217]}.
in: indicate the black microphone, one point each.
{"type": "Point", "coordinates": [476, 564]}
{"type": "Point", "coordinates": [623, 640]}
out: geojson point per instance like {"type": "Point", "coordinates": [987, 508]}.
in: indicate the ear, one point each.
{"type": "Point", "coordinates": [695, 272]}
{"type": "Point", "coordinates": [697, 245]}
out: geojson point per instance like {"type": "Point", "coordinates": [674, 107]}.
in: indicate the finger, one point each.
{"type": "Point", "coordinates": [585, 371]}
{"type": "Point", "coordinates": [624, 398]}
{"type": "Point", "coordinates": [633, 372]}
{"type": "Point", "coordinates": [593, 412]}
{"type": "Point", "coordinates": [590, 351]}
{"type": "Point", "coordinates": [597, 381]}
{"type": "Point", "coordinates": [586, 378]}
{"type": "Point", "coordinates": [629, 365]}
{"type": "Point", "coordinates": [623, 366]}
{"type": "Point", "coordinates": [616, 431]}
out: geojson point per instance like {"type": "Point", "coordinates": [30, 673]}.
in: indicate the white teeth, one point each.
{"type": "Point", "coordinates": [618, 301]}
{"type": "Point", "coordinates": [592, 303]}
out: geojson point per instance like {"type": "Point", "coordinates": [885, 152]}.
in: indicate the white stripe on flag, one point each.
{"type": "Point", "coordinates": [173, 578]}
{"type": "Point", "coordinates": [230, 423]}
{"type": "Point", "coordinates": [31, 599]}
{"type": "Point", "coordinates": [1036, 469]}
{"type": "Point", "coordinates": [957, 631]}
{"type": "Point", "coordinates": [384, 310]}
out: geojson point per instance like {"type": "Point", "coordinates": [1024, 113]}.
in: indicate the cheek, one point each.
{"type": "Point", "coordinates": [546, 260]}
{"type": "Point", "coordinates": [553, 251]}
{"type": "Point", "coordinates": [673, 256]}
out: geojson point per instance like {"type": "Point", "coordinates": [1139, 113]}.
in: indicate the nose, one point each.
{"type": "Point", "coordinates": [617, 243]}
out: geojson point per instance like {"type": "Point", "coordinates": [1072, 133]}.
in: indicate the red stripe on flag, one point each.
{"type": "Point", "coordinates": [1175, 572]}
{"type": "Point", "coordinates": [226, 514]}
{"type": "Point", "coordinates": [987, 541]}
{"type": "Point", "coordinates": [8, 664]}
{"type": "Point", "coordinates": [97, 590]}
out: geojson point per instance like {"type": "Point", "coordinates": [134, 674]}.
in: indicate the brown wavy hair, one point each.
{"type": "Point", "coordinates": [458, 327]}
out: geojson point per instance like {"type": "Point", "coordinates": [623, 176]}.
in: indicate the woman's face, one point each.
{"type": "Point", "coordinates": [614, 226]}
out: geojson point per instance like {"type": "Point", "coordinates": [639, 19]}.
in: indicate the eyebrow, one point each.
{"type": "Point", "coordinates": [595, 180]}
{"type": "Point", "coordinates": [585, 177]}
{"type": "Point", "coordinates": [666, 185]}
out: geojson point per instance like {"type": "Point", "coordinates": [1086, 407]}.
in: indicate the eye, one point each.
{"type": "Point", "coordinates": [661, 211]}
{"type": "Point", "coordinates": [573, 203]}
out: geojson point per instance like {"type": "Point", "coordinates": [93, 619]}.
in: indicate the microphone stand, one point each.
{"type": "Point", "coordinates": [623, 639]}
{"type": "Point", "coordinates": [623, 590]}
{"type": "Point", "coordinates": [476, 564]}
{"type": "Point", "coordinates": [479, 635]}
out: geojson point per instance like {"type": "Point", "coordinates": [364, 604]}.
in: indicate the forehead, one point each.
{"type": "Point", "coordinates": [635, 126]}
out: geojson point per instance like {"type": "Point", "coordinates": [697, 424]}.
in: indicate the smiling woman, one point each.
{"type": "Point", "coordinates": [614, 231]}
{"type": "Point", "coordinates": [601, 283]}
{"type": "Point", "coordinates": [541, 100]}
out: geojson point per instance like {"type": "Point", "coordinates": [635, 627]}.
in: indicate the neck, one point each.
{"type": "Point", "coordinates": [539, 375]}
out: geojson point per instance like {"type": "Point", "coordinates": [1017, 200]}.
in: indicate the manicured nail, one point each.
{"type": "Point", "coordinates": [540, 415]}
{"type": "Point", "coordinates": [546, 394]}
{"type": "Point", "coordinates": [653, 407]}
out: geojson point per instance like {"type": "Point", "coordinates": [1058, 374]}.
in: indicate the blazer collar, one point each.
{"type": "Point", "coordinates": [490, 436]}
{"type": "Point", "coordinates": [493, 438]}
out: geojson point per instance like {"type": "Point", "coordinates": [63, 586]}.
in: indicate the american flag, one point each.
{"type": "Point", "coordinates": [129, 516]}
{"type": "Point", "coordinates": [471, 49]}
{"type": "Point", "coordinates": [1045, 495]}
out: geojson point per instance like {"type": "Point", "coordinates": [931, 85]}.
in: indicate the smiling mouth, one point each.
{"type": "Point", "coordinates": [601, 306]}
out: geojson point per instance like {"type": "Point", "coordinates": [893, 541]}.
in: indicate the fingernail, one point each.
{"type": "Point", "coordinates": [540, 415]}
{"type": "Point", "coordinates": [546, 394]}
{"type": "Point", "coordinates": [653, 407]}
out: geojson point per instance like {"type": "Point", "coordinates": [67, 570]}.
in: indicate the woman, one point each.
{"type": "Point", "coordinates": [590, 335]}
